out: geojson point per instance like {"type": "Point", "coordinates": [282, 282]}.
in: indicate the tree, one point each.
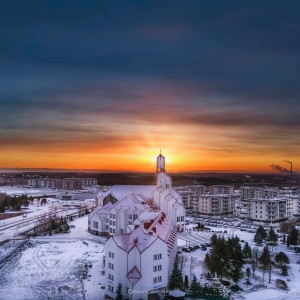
{"type": "Point", "coordinates": [292, 238]}
{"type": "Point", "coordinates": [265, 260]}
{"type": "Point", "coordinates": [260, 230]}
{"type": "Point", "coordinates": [258, 239]}
{"type": "Point", "coordinates": [281, 258]}
{"type": "Point", "coordinates": [186, 283]}
{"type": "Point", "coordinates": [247, 251]}
{"type": "Point", "coordinates": [248, 273]}
{"type": "Point", "coordinates": [272, 236]}
{"type": "Point", "coordinates": [284, 239]}
{"type": "Point", "coordinates": [195, 288]}
{"type": "Point", "coordinates": [176, 278]}
{"type": "Point", "coordinates": [119, 292]}
{"type": "Point", "coordinates": [2, 207]}
{"type": "Point", "coordinates": [284, 270]}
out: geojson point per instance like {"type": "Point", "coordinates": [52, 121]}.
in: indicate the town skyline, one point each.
{"type": "Point", "coordinates": [104, 86]}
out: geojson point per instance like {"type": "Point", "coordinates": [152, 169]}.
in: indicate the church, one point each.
{"type": "Point", "coordinates": [141, 222]}
{"type": "Point", "coordinates": [121, 205]}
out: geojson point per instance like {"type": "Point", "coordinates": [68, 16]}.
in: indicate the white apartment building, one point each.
{"type": "Point", "coordinates": [270, 211]}
{"type": "Point", "coordinates": [188, 194]}
{"type": "Point", "coordinates": [65, 183]}
{"type": "Point", "coordinates": [221, 189]}
{"type": "Point", "coordinates": [247, 192]}
{"type": "Point", "coordinates": [141, 259]}
{"type": "Point", "coordinates": [217, 206]}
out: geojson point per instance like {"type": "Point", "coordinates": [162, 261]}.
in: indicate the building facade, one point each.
{"type": "Point", "coordinates": [64, 184]}
{"type": "Point", "coordinates": [141, 259]}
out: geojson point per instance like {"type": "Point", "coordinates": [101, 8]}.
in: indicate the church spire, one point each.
{"type": "Point", "coordinates": [160, 163]}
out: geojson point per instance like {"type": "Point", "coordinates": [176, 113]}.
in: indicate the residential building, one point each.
{"type": "Point", "coordinates": [216, 206]}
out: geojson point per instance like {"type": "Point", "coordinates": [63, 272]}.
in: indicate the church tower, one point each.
{"type": "Point", "coordinates": [163, 179]}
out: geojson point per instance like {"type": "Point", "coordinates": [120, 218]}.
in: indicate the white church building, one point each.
{"type": "Point", "coordinates": [122, 204]}
{"type": "Point", "coordinates": [141, 222]}
{"type": "Point", "coordinates": [142, 259]}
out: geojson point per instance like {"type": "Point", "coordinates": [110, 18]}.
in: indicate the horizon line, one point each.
{"type": "Point", "coordinates": [21, 169]}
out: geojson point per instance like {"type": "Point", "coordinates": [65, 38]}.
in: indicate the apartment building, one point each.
{"type": "Point", "coordinates": [270, 211]}
{"type": "Point", "coordinates": [216, 206]}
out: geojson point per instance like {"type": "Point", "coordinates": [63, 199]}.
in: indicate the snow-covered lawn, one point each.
{"type": "Point", "coordinates": [67, 265]}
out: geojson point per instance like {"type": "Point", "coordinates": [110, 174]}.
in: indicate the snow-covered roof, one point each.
{"type": "Point", "coordinates": [137, 238]}
{"type": "Point", "coordinates": [147, 228]}
{"type": "Point", "coordinates": [121, 191]}
{"type": "Point", "coordinates": [131, 202]}
{"type": "Point", "coordinates": [147, 216]}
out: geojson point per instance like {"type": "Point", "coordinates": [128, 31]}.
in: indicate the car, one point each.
{"type": "Point", "coordinates": [185, 249]}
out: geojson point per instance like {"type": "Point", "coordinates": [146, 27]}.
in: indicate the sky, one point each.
{"type": "Point", "coordinates": [105, 85]}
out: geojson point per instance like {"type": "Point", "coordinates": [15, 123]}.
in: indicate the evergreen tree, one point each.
{"type": "Point", "coordinates": [213, 240]}
{"type": "Point", "coordinates": [119, 292]}
{"type": "Point", "coordinates": [292, 238]}
{"type": "Point", "coordinates": [261, 231]}
{"type": "Point", "coordinates": [235, 259]}
{"type": "Point", "coordinates": [258, 239]}
{"type": "Point", "coordinates": [281, 258]}
{"type": "Point", "coordinates": [195, 288]}
{"type": "Point", "coordinates": [176, 279]}
{"type": "Point", "coordinates": [186, 283]}
{"type": "Point", "coordinates": [2, 207]}
{"type": "Point", "coordinates": [247, 251]}
{"type": "Point", "coordinates": [265, 260]}
{"type": "Point", "coordinates": [272, 236]}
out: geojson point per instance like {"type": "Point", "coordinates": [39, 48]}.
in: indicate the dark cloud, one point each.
{"type": "Point", "coordinates": [73, 69]}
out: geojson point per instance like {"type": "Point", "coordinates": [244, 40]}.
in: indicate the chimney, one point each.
{"type": "Point", "coordinates": [154, 229]}
{"type": "Point", "coordinates": [136, 226]}
{"type": "Point", "coordinates": [159, 221]}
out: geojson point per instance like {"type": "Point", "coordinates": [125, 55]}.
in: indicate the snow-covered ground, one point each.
{"type": "Point", "coordinates": [192, 264]}
{"type": "Point", "coordinates": [12, 190]}
{"type": "Point", "coordinates": [67, 265]}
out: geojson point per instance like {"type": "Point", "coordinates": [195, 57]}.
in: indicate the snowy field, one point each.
{"type": "Point", "coordinates": [63, 265]}
{"type": "Point", "coordinates": [11, 190]}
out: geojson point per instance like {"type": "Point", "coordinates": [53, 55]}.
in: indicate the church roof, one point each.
{"type": "Point", "coordinates": [121, 191]}
{"type": "Point", "coordinates": [148, 227]}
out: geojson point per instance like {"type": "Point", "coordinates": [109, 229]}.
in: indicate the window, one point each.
{"type": "Point", "coordinates": [157, 279]}
{"type": "Point", "coordinates": [111, 277]}
{"type": "Point", "coordinates": [178, 219]}
{"type": "Point", "coordinates": [111, 266]}
{"type": "Point", "coordinates": [157, 268]}
{"type": "Point", "coordinates": [182, 219]}
{"type": "Point", "coordinates": [157, 256]}
{"type": "Point", "coordinates": [95, 224]}
{"type": "Point", "coordinates": [111, 288]}
{"type": "Point", "coordinates": [111, 254]}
